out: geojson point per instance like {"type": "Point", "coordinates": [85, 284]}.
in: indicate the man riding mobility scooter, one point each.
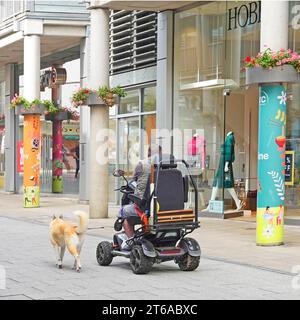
{"type": "Point", "coordinates": [164, 219]}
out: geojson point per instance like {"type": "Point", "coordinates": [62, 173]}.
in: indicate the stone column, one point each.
{"type": "Point", "coordinates": [32, 127]}
{"type": "Point", "coordinates": [271, 132]}
{"type": "Point", "coordinates": [11, 125]}
{"type": "Point", "coordinates": [99, 115]}
{"type": "Point", "coordinates": [84, 185]}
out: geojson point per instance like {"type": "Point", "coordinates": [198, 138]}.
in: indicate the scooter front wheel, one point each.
{"type": "Point", "coordinates": [104, 253]}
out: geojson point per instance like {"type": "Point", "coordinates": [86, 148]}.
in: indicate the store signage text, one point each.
{"type": "Point", "coordinates": [263, 156]}
{"type": "Point", "coordinates": [244, 15]}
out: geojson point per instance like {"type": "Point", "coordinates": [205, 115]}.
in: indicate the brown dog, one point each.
{"type": "Point", "coordinates": [64, 234]}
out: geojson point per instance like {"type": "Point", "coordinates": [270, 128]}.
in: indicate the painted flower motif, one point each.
{"type": "Point", "coordinates": [283, 98]}
{"type": "Point", "coordinates": [268, 232]}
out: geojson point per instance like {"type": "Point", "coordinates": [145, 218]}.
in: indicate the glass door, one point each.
{"type": "Point", "coordinates": [129, 144]}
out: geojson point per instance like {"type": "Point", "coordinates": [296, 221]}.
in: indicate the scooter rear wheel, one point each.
{"type": "Point", "coordinates": [188, 263]}
{"type": "Point", "coordinates": [103, 253]}
{"type": "Point", "coordinates": [140, 264]}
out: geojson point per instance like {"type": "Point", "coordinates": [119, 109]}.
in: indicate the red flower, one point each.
{"type": "Point", "coordinates": [248, 59]}
{"type": "Point", "coordinates": [87, 91]}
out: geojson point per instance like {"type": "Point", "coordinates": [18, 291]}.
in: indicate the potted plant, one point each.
{"type": "Point", "coordinates": [108, 95]}
{"type": "Point", "coordinates": [104, 95]}
{"type": "Point", "coordinates": [80, 96]}
{"type": "Point", "coordinates": [272, 66]}
{"type": "Point", "coordinates": [37, 106]}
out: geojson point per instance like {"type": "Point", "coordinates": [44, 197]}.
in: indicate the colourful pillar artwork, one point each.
{"type": "Point", "coordinates": [57, 154]}
{"type": "Point", "coordinates": [271, 165]}
{"type": "Point", "coordinates": [32, 159]}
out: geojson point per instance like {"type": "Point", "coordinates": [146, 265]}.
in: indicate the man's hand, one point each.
{"type": "Point", "coordinates": [226, 169]}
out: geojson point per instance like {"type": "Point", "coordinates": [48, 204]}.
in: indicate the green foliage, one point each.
{"type": "Point", "coordinates": [269, 59]}
{"type": "Point", "coordinates": [20, 100]}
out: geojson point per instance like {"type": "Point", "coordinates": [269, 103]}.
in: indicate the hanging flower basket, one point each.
{"type": "Point", "coordinates": [34, 109]}
{"type": "Point", "coordinates": [94, 100]}
{"type": "Point", "coordinates": [61, 115]}
{"type": "Point", "coordinates": [37, 106]}
{"type": "Point", "coordinates": [111, 96]}
{"type": "Point", "coordinates": [271, 67]}
{"type": "Point", "coordinates": [104, 96]}
{"type": "Point", "coordinates": [285, 73]}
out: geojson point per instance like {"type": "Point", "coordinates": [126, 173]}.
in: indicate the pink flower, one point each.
{"type": "Point", "coordinates": [278, 63]}
{"type": "Point", "coordinates": [257, 65]}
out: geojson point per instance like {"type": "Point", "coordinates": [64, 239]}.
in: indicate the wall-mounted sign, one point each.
{"type": "Point", "coordinates": [52, 77]}
{"type": "Point", "coordinates": [289, 167]}
{"type": "Point", "coordinates": [244, 15]}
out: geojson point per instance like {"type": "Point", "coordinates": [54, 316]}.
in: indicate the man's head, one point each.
{"type": "Point", "coordinates": [153, 150]}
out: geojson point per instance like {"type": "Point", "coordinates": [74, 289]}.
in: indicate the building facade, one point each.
{"type": "Point", "coordinates": [181, 65]}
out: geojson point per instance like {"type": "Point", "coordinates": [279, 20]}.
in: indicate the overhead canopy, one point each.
{"type": "Point", "coordinates": [140, 5]}
{"type": "Point", "coordinates": [58, 44]}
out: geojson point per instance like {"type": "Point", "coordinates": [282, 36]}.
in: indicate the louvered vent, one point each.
{"type": "Point", "coordinates": [132, 40]}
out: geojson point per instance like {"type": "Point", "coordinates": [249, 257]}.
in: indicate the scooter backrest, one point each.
{"type": "Point", "coordinates": [170, 190]}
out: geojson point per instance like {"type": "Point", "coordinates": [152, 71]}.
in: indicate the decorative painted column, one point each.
{"type": "Point", "coordinates": [57, 154]}
{"type": "Point", "coordinates": [271, 164]}
{"type": "Point", "coordinates": [99, 114]}
{"type": "Point", "coordinates": [32, 126]}
{"type": "Point", "coordinates": [272, 123]}
{"type": "Point", "coordinates": [57, 157]}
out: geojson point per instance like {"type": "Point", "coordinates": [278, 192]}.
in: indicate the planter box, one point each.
{"type": "Point", "coordinates": [58, 116]}
{"type": "Point", "coordinates": [279, 74]}
{"type": "Point", "coordinates": [94, 100]}
{"type": "Point", "coordinates": [34, 109]}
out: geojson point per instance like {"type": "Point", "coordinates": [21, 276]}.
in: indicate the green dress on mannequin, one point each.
{"type": "Point", "coordinates": [225, 179]}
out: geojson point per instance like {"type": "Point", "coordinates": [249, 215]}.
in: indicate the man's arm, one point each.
{"type": "Point", "coordinates": [138, 171]}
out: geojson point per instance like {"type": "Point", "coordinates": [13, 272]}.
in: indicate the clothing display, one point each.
{"type": "Point", "coordinates": [197, 146]}
{"type": "Point", "coordinates": [225, 179]}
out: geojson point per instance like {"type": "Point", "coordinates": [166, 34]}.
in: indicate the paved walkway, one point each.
{"type": "Point", "coordinates": [31, 274]}
{"type": "Point", "coordinates": [232, 266]}
{"type": "Point", "coordinates": [231, 239]}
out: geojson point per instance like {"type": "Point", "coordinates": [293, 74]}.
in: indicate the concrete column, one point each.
{"type": "Point", "coordinates": [32, 126]}
{"type": "Point", "coordinates": [99, 76]}
{"type": "Point", "coordinates": [271, 132]}
{"type": "Point", "coordinates": [164, 86]}
{"type": "Point", "coordinates": [32, 62]}
{"type": "Point", "coordinates": [84, 185]}
{"type": "Point", "coordinates": [274, 24]}
{"type": "Point", "coordinates": [11, 125]}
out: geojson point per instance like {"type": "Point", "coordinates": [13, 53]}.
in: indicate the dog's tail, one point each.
{"type": "Point", "coordinates": [83, 221]}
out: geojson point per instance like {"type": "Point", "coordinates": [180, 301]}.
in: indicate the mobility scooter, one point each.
{"type": "Point", "coordinates": [164, 222]}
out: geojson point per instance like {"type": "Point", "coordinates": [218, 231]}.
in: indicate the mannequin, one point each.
{"type": "Point", "coordinates": [224, 175]}
{"type": "Point", "coordinates": [197, 147]}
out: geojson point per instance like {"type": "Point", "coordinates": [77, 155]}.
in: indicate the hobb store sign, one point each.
{"type": "Point", "coordinates": [250, 13]}
{"type": "Point", "coordinates": [244, 15]}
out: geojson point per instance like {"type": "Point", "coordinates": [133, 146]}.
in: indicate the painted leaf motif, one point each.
{"type": "Point", "coordinates": [278, 183]}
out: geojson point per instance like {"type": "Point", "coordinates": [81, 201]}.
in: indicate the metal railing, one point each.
{"type": "Point", "coordinates": [10, 8]}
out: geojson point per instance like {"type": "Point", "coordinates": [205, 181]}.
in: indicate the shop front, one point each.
{"type": "Point", "coordinates": [213, 106]}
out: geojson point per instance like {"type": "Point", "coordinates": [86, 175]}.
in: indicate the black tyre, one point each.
{"type": "Point", "coordinates": [140, 264]}
{"type": "Point", "coordinates": [188, 263]}
{"type": "Point", "coordinates": [103, 253]}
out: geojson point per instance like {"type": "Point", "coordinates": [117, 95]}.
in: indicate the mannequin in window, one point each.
{"type": "Point", "coordinates": [224, 176]}
{"type": "Point", "coordinates": [197, 147]}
